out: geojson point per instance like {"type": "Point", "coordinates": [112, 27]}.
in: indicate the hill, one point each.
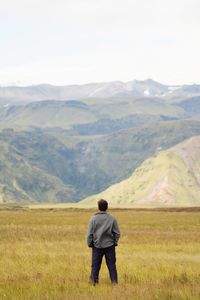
{"type": "Point", "coordinates": [171, 178]}
{"type": "Point", "coordinates": [51, 166]}
{"type": "Point", "coordinates": [22, 177]}
{"type": "Point", "coordinates": [69, 114]}
{"type": "Point", "coordinates": [191, 106]}
{"type": "Point", "coordinates": [43, 114]}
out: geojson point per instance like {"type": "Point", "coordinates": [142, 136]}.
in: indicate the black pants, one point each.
{"type": "Point", "coordinates": [97, 256]}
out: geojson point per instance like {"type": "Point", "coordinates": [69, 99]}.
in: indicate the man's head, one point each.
{"type": "Point", "coordinates": [102, 205]}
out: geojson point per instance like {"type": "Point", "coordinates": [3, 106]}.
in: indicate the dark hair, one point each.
{"type": "Point", "coordinates": [102, 205]}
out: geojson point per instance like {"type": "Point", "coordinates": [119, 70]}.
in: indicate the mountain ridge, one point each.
{"type": "Point", "coordinates": [137, 88]}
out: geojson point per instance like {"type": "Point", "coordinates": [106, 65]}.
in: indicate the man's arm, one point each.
{"type": "Point", "coordinates": [116, 232]}
{"type": "Point", "coordinates": [90, 234]}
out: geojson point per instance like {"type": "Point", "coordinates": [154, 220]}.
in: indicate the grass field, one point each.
{"type": "Point", "coordinates": [43, 255]}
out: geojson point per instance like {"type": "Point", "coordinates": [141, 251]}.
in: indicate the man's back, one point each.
{"type": "Point", "coordinates": [103, 230]}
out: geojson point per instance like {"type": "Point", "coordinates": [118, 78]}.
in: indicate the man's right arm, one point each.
{"type": "Point", "coordinates": [116, 232]}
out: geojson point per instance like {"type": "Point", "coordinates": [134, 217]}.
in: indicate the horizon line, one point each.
{"type": "Point", "coordinates": [27, 84]}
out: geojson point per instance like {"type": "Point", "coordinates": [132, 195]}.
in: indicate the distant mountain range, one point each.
{"type": "Point", "coordinates": [171, 178]}
{"type": "Point", "coordinates": [62, 144]}
{"type": "Point", "coordinates": [135, 88]}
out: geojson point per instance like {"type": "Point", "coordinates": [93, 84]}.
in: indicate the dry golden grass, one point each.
{"type": "Point", "coordinates": [43, 255]}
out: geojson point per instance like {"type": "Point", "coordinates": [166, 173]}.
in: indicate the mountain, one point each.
{"type": "Point", "coordinates": [135, 88]}
{"type": "Point", "coordinates": [171, 178]}
{"type": "Point", "coordinates": [51, 166]}
{"type": "Point", "coordinates": [62, 151]}
{"type": "Point", "coordinates": [128, 105]}
{"type": "Point", "coordinates": [113, 157]}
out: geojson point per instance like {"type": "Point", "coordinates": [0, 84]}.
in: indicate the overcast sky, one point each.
{"type": "Point", "coordinates": [81, 41]}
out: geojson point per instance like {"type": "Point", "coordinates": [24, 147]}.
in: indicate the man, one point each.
{"type": "Point", "coordinates": [103, 235]}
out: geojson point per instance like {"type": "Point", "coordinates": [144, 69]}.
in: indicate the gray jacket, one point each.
{"type": "Point", "coordinates": [103, 231]}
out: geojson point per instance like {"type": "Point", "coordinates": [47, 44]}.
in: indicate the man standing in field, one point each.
{"type": "Point", "coordinates": [103, 235]}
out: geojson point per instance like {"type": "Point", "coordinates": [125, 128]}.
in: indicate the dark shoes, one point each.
{"type": "Point", "coordinates": [92, 281]}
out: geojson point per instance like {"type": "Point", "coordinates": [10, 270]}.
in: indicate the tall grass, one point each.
{"type": "Point", "coordinates": [43, 255]}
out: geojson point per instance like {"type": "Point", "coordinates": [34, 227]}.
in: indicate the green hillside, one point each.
{"type": "Point", "coordinates": [22, 180]}
{"type": "Point", "coordinates": [171, 178]}
{"type": "Point", "coordinates": [112, 158]}
{"type": "Point", "coordinates": [46, 114]}
{"type": "Point", "coordinates": [66, 114]}
{"type": "Point", "coordinates": [50, 166]}
{"type": "Point", "coordinates": [118, 107]}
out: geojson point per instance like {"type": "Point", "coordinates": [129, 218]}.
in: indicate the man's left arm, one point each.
{"type": "Point", "coordinates": [90, 234]}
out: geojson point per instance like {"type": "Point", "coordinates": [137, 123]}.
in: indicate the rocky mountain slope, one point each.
{"type": "Point", "coordinates": [171, 178]}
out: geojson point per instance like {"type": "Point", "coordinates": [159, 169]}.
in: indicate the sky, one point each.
{"type": "Point", "coordinates": [65, 42]}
